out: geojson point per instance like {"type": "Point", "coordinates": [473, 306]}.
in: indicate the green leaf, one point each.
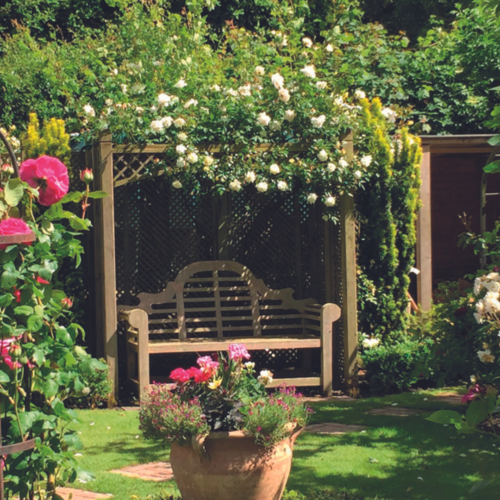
{"type": "Point", "coordinates": [63, 336]}
{"type": "Point", "coordinates": [477, 412]}
{"type": "Point", "coordinates": [5, 300]}
{"type": "Point", "coordinates": [79, 224]}
{"type": "Point", "coordinates": [98, 194]}
{"type": "Point", "coordinates": [495, 140]}
{"type": "Point", "coordinates": [24, 310]}
{"type": "Point", "coordinates": [4, 378]}
{"type": "Point", "coordinates": [50, 388]}
{"type": "Point", "coordinates": [73, 441]}
{"type": "Point", "coordinates": [74, 197]}
{"type": "Point", "coordinates": [14, 191]}
{"type": "Point", "coordinates": [445, 417]}
{"type": "Point", "coordinates": [34, 323]}
{"type": "Point", "coordinates": [8, 279]}
{"type": "Point", "coordinates": [493, 167]}
{"type": "Point", "coordinates": [39, 356]}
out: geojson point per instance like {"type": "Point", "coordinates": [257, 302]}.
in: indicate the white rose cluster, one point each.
{"type": "Point", "coordinates": [370, 343]}
{"type": "Point", "coordinates": [488, 308]}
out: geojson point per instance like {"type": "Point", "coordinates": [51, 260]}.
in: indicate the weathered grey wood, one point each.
{"type": "Point", "coordinates": [424, 234]}
{"type": "Point", "coordinates": [349, 295]}
{"type": "Point", "coordinates": [104, 246]}
{"type": "Point", "coordinates": [329, 314]}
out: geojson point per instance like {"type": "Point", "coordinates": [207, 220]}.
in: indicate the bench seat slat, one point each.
{"type": "Point", "coordinates": [207, 329]}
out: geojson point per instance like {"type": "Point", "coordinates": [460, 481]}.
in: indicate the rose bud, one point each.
{"type": "Point", "coordinates": [87, 176]}
{"type": "Point", "coordinates": [15, 351]}
{"type": "Point", "coordinates": [66, 303]}
{"type": "Point", "coordinates": [8, 169]}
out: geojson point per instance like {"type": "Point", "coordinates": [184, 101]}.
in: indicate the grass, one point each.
{"type": "Point", "coordinates": [395, 458]}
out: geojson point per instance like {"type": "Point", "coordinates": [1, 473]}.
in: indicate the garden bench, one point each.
{"type": "Point", "coordinates": [212, 304]}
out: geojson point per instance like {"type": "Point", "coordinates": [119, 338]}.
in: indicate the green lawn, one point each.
{"type": "Point", "coordinates": [395, 458]}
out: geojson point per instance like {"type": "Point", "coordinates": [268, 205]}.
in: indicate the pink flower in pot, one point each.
{"type": "Point", "coordinates": [13, 226]}
{"type": "Point", "coordinates": [49, 175]}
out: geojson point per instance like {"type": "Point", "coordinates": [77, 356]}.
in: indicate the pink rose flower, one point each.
{"type": "Point", "coordinates": [5, 353]}
{"type": "Point", "coordinates": [180, 375]}
{"type": "Point", "coordinates": [49, 175]}
{"type": "Point", "coordinates": [207, 365]}
{"type": "Point", "coordinates": [198, 375]}
{"type": "Point", "coordinates": [13, 226]}
{"type": "Point", "coordinates": [237, 352]}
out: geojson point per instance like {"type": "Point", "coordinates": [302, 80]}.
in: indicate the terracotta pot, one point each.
{"type": "Point", "coordinates": [230, 466]}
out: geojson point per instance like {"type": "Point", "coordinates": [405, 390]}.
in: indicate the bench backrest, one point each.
{"type": "Point", "coordinates": [218, 299]}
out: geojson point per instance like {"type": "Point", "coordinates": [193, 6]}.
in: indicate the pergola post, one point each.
{"type": "Point", "coordinates": [349, 293]}
{"type": "Point", "coordinates": [424, 234]}
{"type": "Point", "coordinates": [104, 247]}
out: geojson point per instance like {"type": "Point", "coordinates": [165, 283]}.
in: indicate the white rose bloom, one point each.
{"type": "Point", "coordinates": [245, 90]}
{"type": "Point", "coordinates": [182, 137]}
{"type": "Point", "coordinates": [208, 160]}
{"type": "Point", "coordinates": [309, 71]}
{"type": "Point", "coordinates": [167, 121]}
{"type": "Point", "coordinates": [389, 115]}
{"type": "Point", "coordinates": [322, 155]}
{"type": "Point", "coordinates": [232, 92]}
{"type": "Point", "coordinates": [164, 99]}
{"type": "Point", "coordinates": [124, 88]}
{"type": "Point", "coordinates": [115, 71]}
{"type": "Point", "coordinates": [192, 157]}
{"type": "Point", "coordinates": [274, 169]}
{"type": "Point", "coordinates": [480, 307]}
{"type": "Point", "coordinates": [191, 102]}
{"type": "Point", "coordinates": [284, 95]}
{"type": "Point", "coordinates": [321, 85]}
{"type": "Point", "coordinates": [492, 286]}
{"type": "Point", "coordinates": [338, 101]}
{"type": "Point", "coordinates": [153, 108]}
{"type": "Point", "coordinates": [317, 122]}
{"type": "Point", "coordinates": [181, 162]}
{"type": "Point", "coordinates": [478, 318]}
{"type": "Point", "coordinates": [370, 343]}
{"type": "Point", "coordinates": [358, 174]}
{"type": "Point", "coordinates": [177, 184]}
{"type": "Point", "coordinates": [366, 161]}
{"type": "Point", "coordinates": [156, 126]}
{"type": "Point", "coordinates": [108, 102]}
{"type": "Point", "coordinates": [215, 88]}
{"type": "Point", "coordinates": [261, 187]}
{"type": "Point", "coordinates": [180, 149]}
{"type": "Point", "coordinates": [259, 70]}
{"type": "Point", "coordinates": [235, 185]}
{"type": "Point", "coordinates": [311, 198]}
{"type": "Point", "coordinates": [89, 110]}
{"type": "Point", "coordinates": [359, 94]}
{"type": "Point", "coordinates": [307, 42]}
{"type": "Point", "coordinates": [180, 84]}
{"type": "Point", "coordinates": [282, 186]}
{"type": "Point", "coordinates": [289, 115]}
{"type": "Point", "coordinates": [486, 356]}
{"type": "Point", "coordinates": [263, 119]}
{"type": "Point", "coordinates": [331, 167]}
{"type": "Point", "coordinates": [139, 109]}
{"type": "Point", "coordinates": [277, 81]}
{"type": "Point", "coordinates": [329, 48]}
{"type": "Point", "coordinates": [250, 176]}
{"type": "Point", "coordinates": [179, 122]}
{"type": "Point", "coordinates": [343, 163]}
{"type": "Point", "coordinates": [284, 41]}
{"type": "Point", "coordinates": [493, 276]}
{"type": "Point", "coordinates": [330, 201]}
{"type": "Point", "coordinates": [275, 125]}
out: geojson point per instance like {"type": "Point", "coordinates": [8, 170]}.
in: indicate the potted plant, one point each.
{"type": "Point", "coordinates": [228, 434]}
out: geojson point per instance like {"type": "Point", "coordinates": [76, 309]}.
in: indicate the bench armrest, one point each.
{"type": "Point", "coordinates": [329, 314]}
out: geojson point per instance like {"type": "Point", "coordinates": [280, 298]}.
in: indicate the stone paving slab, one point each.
{"type": "Point", "coordinates": [154, 471]}
{"type": "Point", "coordinates": [449, 397]}
{"type": "Point", "coordinates": [320, 399]}
{"type": "Point", "coordinates": [75, 494]}
{"type": "Point", "coordinates": [395, 412]}
{"type": "Point", "coordinates": [333, 428]}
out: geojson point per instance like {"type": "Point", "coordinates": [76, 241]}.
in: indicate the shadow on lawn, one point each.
{"type": "Point", "coordinates": [406, 449]}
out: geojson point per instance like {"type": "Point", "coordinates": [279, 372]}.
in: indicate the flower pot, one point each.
{"type": "Point", "coordinates": [231, 466]}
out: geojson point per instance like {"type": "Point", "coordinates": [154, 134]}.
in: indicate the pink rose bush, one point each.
{"type": "Point", "coordinates": [9, 348]}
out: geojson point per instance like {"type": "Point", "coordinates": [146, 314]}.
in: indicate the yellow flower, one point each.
{"type": "Point", "coordinates": [215, 383]}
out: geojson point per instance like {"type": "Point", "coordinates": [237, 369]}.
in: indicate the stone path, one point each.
{"type": "Point", "coordinates": [333, 428]}
{"type": "Point", "coordinates": [75, 494]}
{"type": "Point", "coordinates": [449, 397]}
{"type": "Point", "coordinates": [393, 411]}
{"type": "Point", "coordinates": [155, 471]}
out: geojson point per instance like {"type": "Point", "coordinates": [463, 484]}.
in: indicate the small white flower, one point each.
{"type": "Point", "coordinates": [191, 102]}
{"type": "Point", "coordinates": [275, 125]}
{"type": "Point", "coordinates": [263, 119]}
{"type": "Point", "coordinates": [321, 85]}
{"type": "Point", "coordinates": [182, 136]}
{"type": "Point", "coordinates": [277, 81]}
{"type": "Point", "coordinates": [250, 176]}
{"type": "Point", "coordinates": [124, 88]}
{"type": "Point", "coordinates": [139, 110]}
{"type": "Point", "coordinates": [259, 70]}
{"type": "Point", "coordinates": [329, 48]}
{"type": "Point", "coordinates": [331, 167]}
{"type": "Point", "coordinates": [330, 201]}
{"type": "Point", "coordinates": [208, 160]}
{"type": "Point", "coordinates": [153, 108]}
{"type": "Point", "coordinates": [85, 391]}
{"type": "Point", "coordinates": [486, 356]}
{"type": "Point", "coordinates": [370, 343]}
{"type": "Point", "coordinates": [284, 41]}
{"type": "Point", "coordinates": [309, 71]}
{"type": "Point", "coordinates": [274, 169]}
{"type": "Point", "coordinates": [108, 102]}
{"type": "Point", "coordinates": [180, 149]}
{"type": "Point", "coordinates": [265, 377]}
{"type": "Point", "coordinates": [215, 88]}
{"type": "Point", "coordinates": [343, 163]}
{"type": "Point", "coordinates": [181, 162]}
{"type": "Point", "coordinates": [180, 84]}
{"type": "Point", "coordinates": [366, 161]}
{"type": "Point", "coordinates": [358, 174]}
{"type": "Point", "coordinates": [311, 198]}
{"type": "Point", "coordinates": [167, 121]}
{"type": "Point", "coordinates": [284, 95]}
{"type": "Point", "coordinates": [156, 126]}
{"type": "Point", "coordinates": [115, 72]}
{"type": "Point", "coordinates": [192, 157]}
{"type": "Point", "coordinates": [89, 110]}
{"type": "Point", "coordinates": [179, 122]}
{"type": "Point", "coordinates": [233, 92]}
{"type": "Point", "coordinates": [261, 187]}
{"type": "Point", "coordinates": [322, 155]}
{"type": "Point", "coordinates": [289, 115]}
{"type": "Point", "coordinates": [338, 101]}
{"type": "Point", "coordinates": [164, 99]}
{"type": "Point", "coordinates": [177, 184]}
{"type": "Point", "coordinates": [282, 186]}
{"type": "Point", "coordinates": [245, 90]}
{"type": "Point", "coordinates": [235, 185]}
{"type": "Point", "coordinates": [250, 365]}
{"type": "Point", "coordinates": [317, 122]}
{"type": "Point", "coordinates": [389, 115]}
{"type": "Point", "coordinates": [307, 42]}
{"type": "Point", "coordinates": [359, 94]}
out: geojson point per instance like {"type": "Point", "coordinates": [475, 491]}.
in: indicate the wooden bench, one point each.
{"type": "Point", "coordinates": [212, 304]}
